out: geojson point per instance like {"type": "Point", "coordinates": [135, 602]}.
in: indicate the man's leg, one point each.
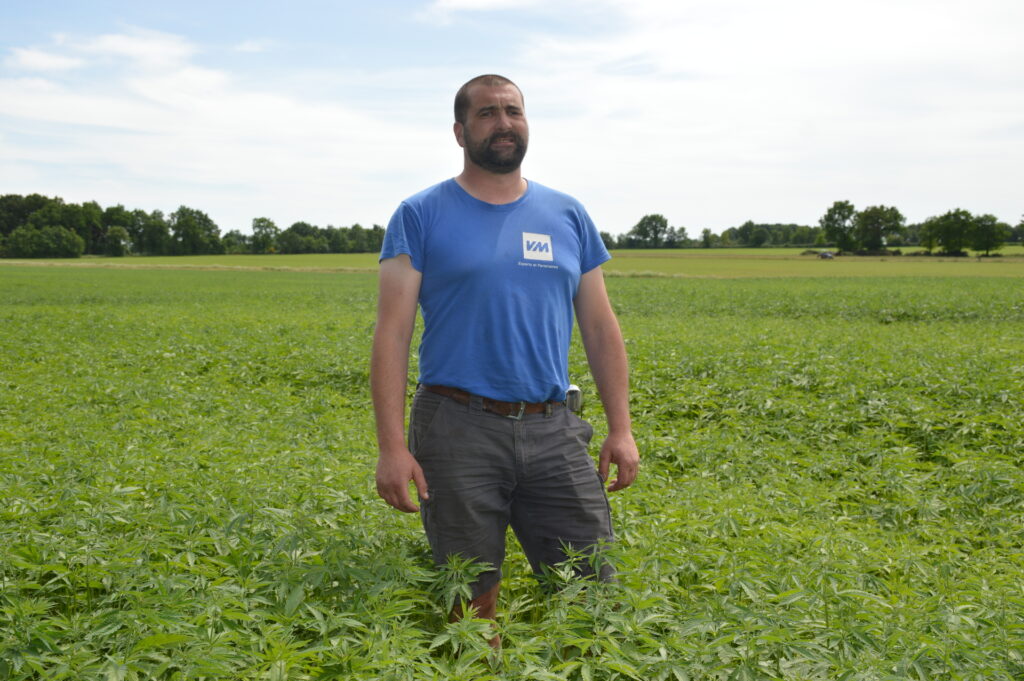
{"type": "Point", "coordinates": [485, 605]}
{"type": "Point", "coordinates": [467, 459]}
{"type": "Point", "coordinates": [560, 501]}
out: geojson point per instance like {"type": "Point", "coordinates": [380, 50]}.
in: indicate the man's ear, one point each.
{"type": "Point", "coordinates": [457, 129]}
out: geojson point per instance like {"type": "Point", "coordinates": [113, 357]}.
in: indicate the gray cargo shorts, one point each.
{"type": "Point", "coordinates": [485, 472]}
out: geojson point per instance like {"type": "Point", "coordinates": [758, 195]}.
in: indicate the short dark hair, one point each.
{"type": "Point", "coordinates": [462, 96]}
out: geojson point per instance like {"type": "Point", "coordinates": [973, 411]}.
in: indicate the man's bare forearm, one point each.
{"type": "Point", "coordinates": [389, 368]}
{"type": "Point", "coordinates": [606, 355]}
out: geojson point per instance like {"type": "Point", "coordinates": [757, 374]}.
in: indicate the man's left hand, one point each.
{"type": "Point", "coordinates": [619, 450]}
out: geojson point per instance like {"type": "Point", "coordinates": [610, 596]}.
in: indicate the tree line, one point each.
{"type": "Point", "coordinates": [873, 230]}
{"type": "Point", "coordinates": [37, 226]}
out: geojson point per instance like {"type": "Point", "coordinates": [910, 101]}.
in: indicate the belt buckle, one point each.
{"type": "Point", "coordinates": [519, 416]}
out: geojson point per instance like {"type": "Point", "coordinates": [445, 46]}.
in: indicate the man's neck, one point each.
{"type": "Point", "coordinates": [492, 187]}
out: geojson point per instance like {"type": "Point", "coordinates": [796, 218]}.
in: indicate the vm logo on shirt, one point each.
{"type": "Point", "coordinates": [537, 247]}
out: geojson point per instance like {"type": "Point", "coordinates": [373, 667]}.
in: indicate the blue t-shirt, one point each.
{"type": "Point", "coordinates": [498, 283]}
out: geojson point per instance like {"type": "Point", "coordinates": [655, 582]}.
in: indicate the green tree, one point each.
{"type": "Point", "coordinates": [48, 241]}
{"type": "Point", "coordinates": [649, 232]}
{"type": "Point", "coordinates": [875, 224]}
{"type": "Point", "coordinates": [264, 235]}
{"type": "Point", "coordinates": [951, 230]}
{"type": "Point", "coordinates": [337, 239]}
{"type": "Point", "coordinates": [302, 237]}
{"type": "Point", "coordinates": [759, 237]}
{"type": "Point", "coordinates": [194, 233]}
{"type": "Point", "coordinates": [236, 243]}
{"type": "Point", "coordinates": [707, 239]}
{"type": "Point", "coordinates": [153, 236]}
{"type": "Point", "coordinates": [676, 237]}
{"type": "Point", "coordinates": [988, 233]}
{"type": "Point", "coordinates": [90, 216]}
{"type": "Point", "coordinates": [85, 220]}
{"type": "Point", "coordinates": [375, 239]}
{"type": "Point", "coordinates": [744, 234]}
{"type": "Point", "coordinates": [357, 239]}
{"type": "Point", "coordinates": [671, 238]}
{"type": "Point", "coordinates": [117, 241]}
{"type": "Point", "coordinates": [134, 226]}
{"type": "Point", "coordinates": [838, 224]}
{"type": "Point", "coordinates": [51, 213]}
{"type": "Point", "coordinates": [24, 242]}
{"type": "Point", "coordinates": [912, 234]}
{"type": "Point", "coordinates": [928, 234]}
{"type": "Point", "coordinates": [116, 215]}
{"type": "Point", "coordinates": [133, 222]}
{"type": "Point", "coordinates": [15, 209]}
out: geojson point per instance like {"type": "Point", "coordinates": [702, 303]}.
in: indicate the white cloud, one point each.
{"type": "Point", "coordinates": [152, 49]}
{"type": "Point", "coordinates": [715, 112]}
{"type": "Point", "coordinates": [443, 12]}
{"type": "Point", "coordinates": [480, 5]}
{"type": "Point", "coordinates": [710, 113]}
{"type": "Point", "coordinates": [253, 46]}
{"type": "Point", "coordinates": [38, 60]}
{"type": "Point", "coordinates": [162, 128]}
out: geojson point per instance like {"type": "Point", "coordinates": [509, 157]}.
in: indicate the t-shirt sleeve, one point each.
{"type": "Point", "coordinates": [592, 250]}
{"type": "Point", "coordinates": [404, 235]}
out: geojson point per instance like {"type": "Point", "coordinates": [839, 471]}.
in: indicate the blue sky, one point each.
{"type": "Point", "coordinates": [710, 113]}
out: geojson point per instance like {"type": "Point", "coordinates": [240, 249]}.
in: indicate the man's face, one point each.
{"type": "Point", "coordinates": [495, 133]}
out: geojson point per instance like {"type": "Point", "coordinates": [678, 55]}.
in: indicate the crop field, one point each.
{"type": "Point", "coordinates": [832, 483]}
{"type": "Point", "coordinates": [693, 262]}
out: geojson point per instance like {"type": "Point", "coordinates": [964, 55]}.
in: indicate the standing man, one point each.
{"type": "Point", "coordinates": [498, 266]}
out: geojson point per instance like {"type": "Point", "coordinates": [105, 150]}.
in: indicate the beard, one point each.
{"type": "Point", "coordinates": [501, 161]}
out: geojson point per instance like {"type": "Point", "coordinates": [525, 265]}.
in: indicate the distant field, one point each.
{"type": "Point", "coordinates": [737, 263]}
{"type": "Point", "coordinates": [1014, 250]}
{"type": "Point", "coordinates": [777, 262]}
{"type": "Point", "coordinates": [308, 261]}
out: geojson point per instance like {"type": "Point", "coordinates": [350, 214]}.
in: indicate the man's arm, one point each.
{"type": "Point", "coordinates": [606, 354]}
{"type": "Point", "coordinates": [389, 366]}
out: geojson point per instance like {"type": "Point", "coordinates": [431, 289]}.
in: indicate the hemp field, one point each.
{"type": "Point", "coordinates": [832, 485]}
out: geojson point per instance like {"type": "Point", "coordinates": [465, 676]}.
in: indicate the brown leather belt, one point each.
{"type": "Point", "coordinates": [513, 410]}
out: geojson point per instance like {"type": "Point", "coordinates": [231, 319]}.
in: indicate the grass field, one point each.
{"type": "Point", "coordinates": [832, 485]}
{"type": "Point", "coordinates": [695, 262]}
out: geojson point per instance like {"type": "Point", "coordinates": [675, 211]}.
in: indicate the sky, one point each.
{"type": "Point", "coordinates": [710, 113]}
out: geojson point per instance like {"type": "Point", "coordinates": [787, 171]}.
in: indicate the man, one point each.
{"type": "Point", "coordinates": [498, 266]}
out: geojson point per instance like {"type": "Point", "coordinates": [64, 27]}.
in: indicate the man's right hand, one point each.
{"type": "Point", "coordinates": [394, 471]}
